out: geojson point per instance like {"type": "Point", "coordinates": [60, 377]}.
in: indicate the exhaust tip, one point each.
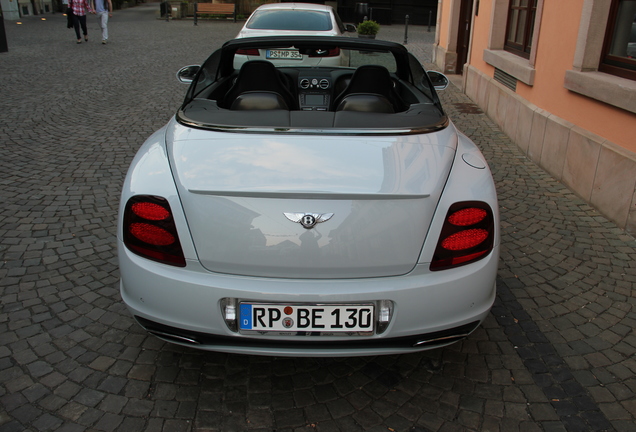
{"type": "Point", "coordinates": [166, 334]}
{"type": "Point", "coordinates": [174, 338]}
{"type": "Point", "coordinates": [441, 340]}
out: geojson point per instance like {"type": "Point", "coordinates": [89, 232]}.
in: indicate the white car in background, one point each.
{"type": "Point", "coordinates": [295, 19]}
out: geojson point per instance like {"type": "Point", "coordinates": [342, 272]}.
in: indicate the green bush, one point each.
{"type": "Point", "coordinates": [368, 27]}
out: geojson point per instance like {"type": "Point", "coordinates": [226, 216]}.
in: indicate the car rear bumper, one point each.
{"type": "Point", "coordinates": [308, 346]}
{"type": "Point", "coordinates": [431, 309]}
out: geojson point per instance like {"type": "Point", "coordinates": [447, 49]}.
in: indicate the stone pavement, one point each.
{"type": "Point", "coordinates": [556, 354]}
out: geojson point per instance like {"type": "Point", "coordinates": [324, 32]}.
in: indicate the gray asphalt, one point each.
{"type": "Point", "coordinates": [556, 353]}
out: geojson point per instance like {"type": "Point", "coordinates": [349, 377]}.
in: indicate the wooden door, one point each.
{"type": "Point", "coordinates": [463, 34]}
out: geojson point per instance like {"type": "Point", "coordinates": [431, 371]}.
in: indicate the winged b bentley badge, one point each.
{"type": "Point", "coordinates": [308, 220]}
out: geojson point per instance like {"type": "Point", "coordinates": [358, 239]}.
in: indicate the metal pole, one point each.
{"type": "Point", "coordinates": [196, 9]}
{"type": "Point", "coordinates": [430, 14]}
{"type": "Point", "coordinates": [406, 30]}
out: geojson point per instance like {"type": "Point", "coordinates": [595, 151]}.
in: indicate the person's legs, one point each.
{"type": "Point", "coordinates": [82, 20]}
{"type": "Point", "coordinates": [103, 22]}
{"type": "Point", "coordinates": [76, 26]}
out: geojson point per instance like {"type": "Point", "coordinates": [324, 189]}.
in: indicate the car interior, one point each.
{"type": "Point", "coordinates": [262, 95]}
{"type": "Point", "coordinates": [258, 84]}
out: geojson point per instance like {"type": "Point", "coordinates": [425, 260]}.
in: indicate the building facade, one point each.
{"type": "Point", "coordinates": [10, 10]}
{"type": "Point", "coordinates": [385, 12]}
{"type": "Point", "coordinates": [559, 78]}
{"type": "Point", "coordinates": [14, 9]}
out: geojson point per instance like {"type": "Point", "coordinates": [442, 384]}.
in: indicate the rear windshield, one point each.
{"type": "Point", "coordinates": [290, 20]}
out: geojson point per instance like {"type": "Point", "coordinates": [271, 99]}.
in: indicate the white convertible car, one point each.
{"type": "Point", "coordinates": [309, 211]}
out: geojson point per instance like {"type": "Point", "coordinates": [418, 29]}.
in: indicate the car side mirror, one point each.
{"type": "Point", "coordinates": [350, 28]}
{"type": "Point", "coordinates": [438, 79]}
{"type": "Point", "coordinates": [186, 74]}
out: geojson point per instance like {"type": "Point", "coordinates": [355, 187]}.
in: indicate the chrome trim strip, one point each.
{"type": "Point", "coordinates": [308, 195]}
{"type": "Point", "coordinates": [182, 119]}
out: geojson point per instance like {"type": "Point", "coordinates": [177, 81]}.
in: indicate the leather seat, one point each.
{"type": "Point", "coordinates": [373, 84]}
{"type": "Point", "coordinates": [259, 76]}
{"type": "Point", "coordinates": [364, 102]}
{"type": "Point", "coordinates": [259, 100]}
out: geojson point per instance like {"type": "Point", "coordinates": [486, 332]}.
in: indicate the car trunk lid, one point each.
{"type": "Point", "coordinates": [372, 199]}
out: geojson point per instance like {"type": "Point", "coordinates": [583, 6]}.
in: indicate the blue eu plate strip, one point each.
{"type": "Point", "coordinates": [246, 316]}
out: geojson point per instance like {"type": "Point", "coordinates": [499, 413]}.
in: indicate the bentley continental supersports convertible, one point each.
{"type": "Point", "coordinates": [296, 210]}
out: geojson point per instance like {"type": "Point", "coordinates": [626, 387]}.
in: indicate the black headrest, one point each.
{"type": "Point", "coordinates": [257, 73]}
{"type": "Point", "coordinates": [371, 78]}
{"type": "Point", "coordinates": [260, 76]}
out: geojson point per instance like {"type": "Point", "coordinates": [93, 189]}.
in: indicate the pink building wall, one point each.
{"type": "Point", "coordinates": [586, 141]}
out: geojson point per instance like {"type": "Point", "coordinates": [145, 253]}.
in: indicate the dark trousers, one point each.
{"type": "Point", "coordinates": [77, 22]}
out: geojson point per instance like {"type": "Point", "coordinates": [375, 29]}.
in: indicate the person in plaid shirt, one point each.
{"type": "Point", "coordinates": [80, 8]}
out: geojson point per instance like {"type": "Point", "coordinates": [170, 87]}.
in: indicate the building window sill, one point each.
{"type": "Point", "coordinates": [512, 64]}
{"type": "Point", "coordinates": [612, 90]}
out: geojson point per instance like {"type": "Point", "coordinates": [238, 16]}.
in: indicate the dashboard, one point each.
{"type": "Point", "coordinates": [315, 90]}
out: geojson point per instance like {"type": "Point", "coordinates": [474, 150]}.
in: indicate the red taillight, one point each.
{"type": "Point", "coordinates": [464, 239]}
{"type": "Point", "coordinates": [467, 235]}
{"type": "Point", "coordinates": [151, 234]}
{"type": "Point", "coordinates": [332, 52]}
{"type": "Point", "coordinates": [149, 230]}
{"type": "Point", "coordinates": [248, 51]}
{"type": "Point", "coordinates": [468, 216]}
{"type": "Point", "coordinates": [150, 211]}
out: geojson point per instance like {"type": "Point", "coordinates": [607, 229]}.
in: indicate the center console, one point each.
{"type": "Point", "coordinates": [314, 91]}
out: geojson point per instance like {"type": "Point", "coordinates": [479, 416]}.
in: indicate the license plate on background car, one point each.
{"type": "Point", "coordinates": [306, 318]}
{"type": "Point", "coordinates": [284, 54]}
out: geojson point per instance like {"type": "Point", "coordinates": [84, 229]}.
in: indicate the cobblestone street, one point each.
{"type": "Point", "coordinates": [557, 353]}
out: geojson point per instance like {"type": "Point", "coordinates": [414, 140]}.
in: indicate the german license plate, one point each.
{"type": "Point", "coordinates": [306, 318]}
{"type": "Point", "coordinates": [284, 54]}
